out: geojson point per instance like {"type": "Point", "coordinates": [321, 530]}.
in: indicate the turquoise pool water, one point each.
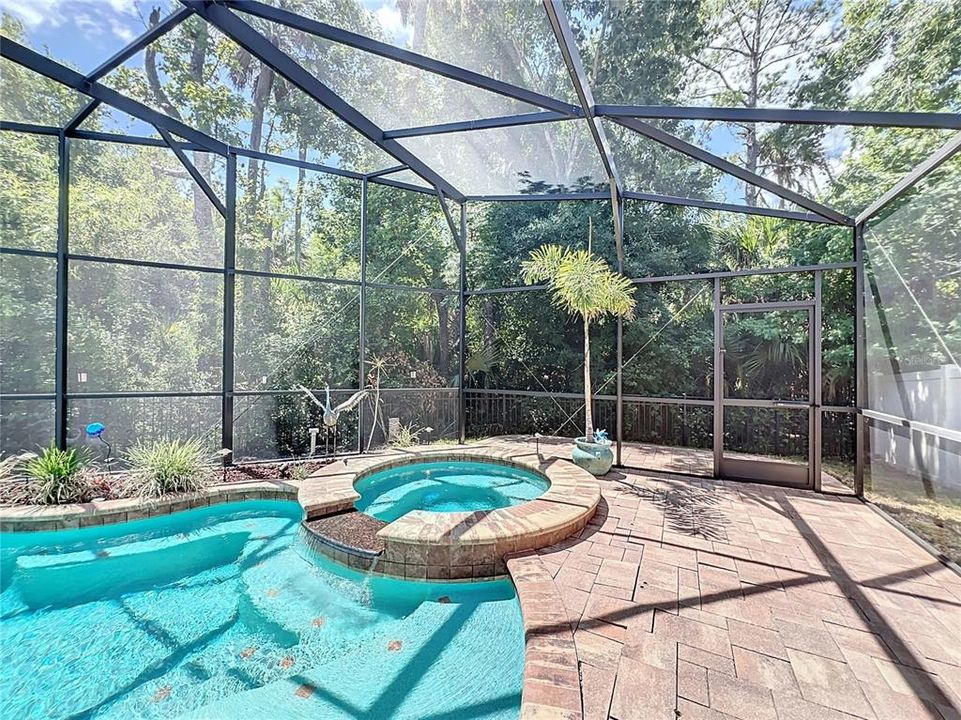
{"type": "Point", "coordinates": [446, 487]}
{"type": "Point", "coordinates": [223, 612]}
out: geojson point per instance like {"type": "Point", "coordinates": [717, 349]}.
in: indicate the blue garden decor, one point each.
{"type": "Point", "coordinates": [600, 436]}
{"type": "Point", "coordinates": [96, 430]}
{"type": "Point", "coordinates": [596, 457]}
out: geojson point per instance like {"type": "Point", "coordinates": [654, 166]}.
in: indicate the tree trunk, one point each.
{"type": "Point", "coordinates": [588, 399]}
{"type": "Point", "coordinates": [202, 206]}
{"type": "Point", "coordinates": [443, 336]}
{"type": "Point", "coordinates": [262, 90]}
{"type": "Point", "coordinates": [299, 202]}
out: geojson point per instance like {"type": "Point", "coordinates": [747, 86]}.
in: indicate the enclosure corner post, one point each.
{"type": "Point", "coordinates": [462, 330]}
{"type": "Point", "coordinates": [815, 362]}
{"type": "Point", "coordinates": [362, 318]}
{"type": "Point", "coordinates": [619, 241]}
{"type": "Point", "coordinates": [60, 328]}
{"type": "Point", "coordinates": [860, 362]}
{"type": "Point", "coordinates": [718, 379]}
{"type": "Point", "coordinates": [230, 262]}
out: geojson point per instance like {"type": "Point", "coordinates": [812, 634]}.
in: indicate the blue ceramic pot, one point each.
{"type": "Point", "coordinates": [595, 457]}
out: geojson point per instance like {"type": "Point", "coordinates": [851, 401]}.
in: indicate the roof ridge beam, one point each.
{"type": "Point", "coordinates": [261, 48]}
{"type": "Point", "coordinates": [726, 166]}
{"type": "Point", "coordinates": [521, 119]}
{"type": "Point", "coordinates": [12, 50]}
{"type": "Point", "coordinates": [391, 52]}
{"type": "Point", "coordinates": [575, 68]}
{"type": "Point", "coordinates": [950, 121]}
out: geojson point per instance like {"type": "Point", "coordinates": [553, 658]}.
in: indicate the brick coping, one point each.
{"type": "Point", "coordinates": [424, 545]}
{"type": "Point", "coordinates": [552, 683]}
{"type": "Point", "coordinates": [33, 518]}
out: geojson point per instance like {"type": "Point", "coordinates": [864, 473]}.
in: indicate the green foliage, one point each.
{"type": "Point", "coordinates": [299, 472]}
{"type": "Point", "coordinates": [406, 436]}
{"type": "Point", "coordinates": [580, 283]}
{"type": "Point", "coordinates": [584, 285]}
{"type": "Point", "coordinates": [165, 466]}
{"type": "Point", "coordinates": [57, 476]}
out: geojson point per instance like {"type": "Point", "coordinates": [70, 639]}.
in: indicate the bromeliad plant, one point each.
{"type": "Point", "coordinates": [162, 467]}
{"type": "Point", "coordinates": [583, 285]}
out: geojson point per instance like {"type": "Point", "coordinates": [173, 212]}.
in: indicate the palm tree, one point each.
{"type": "Point", "coordinates": [583, 285]}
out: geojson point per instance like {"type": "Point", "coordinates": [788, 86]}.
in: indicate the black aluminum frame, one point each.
{"type": "Point", "coordinates": [179, 137]}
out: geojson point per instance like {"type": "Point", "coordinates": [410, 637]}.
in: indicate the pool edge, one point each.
{"type": "Point", "coordinates": [36, 518]}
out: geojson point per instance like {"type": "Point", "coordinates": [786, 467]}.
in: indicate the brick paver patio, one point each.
{"type": "Point", "coordinates": [703, 599]}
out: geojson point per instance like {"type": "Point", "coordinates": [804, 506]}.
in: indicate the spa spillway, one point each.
{"type": "Point", "coordinates": [448, 516]}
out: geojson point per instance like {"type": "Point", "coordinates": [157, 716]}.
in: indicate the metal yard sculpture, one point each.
{"type": "Point", "coordinates": [332, 413]}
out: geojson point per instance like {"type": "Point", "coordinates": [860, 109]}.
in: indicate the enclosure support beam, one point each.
{"type": "Point", "coordinates": [462, 331]}
{"type": "Point", "coordinates": [619, 213]}
{"type": "Point", "coordinates": [193, 172]}
{"type": "Point", "coordinates": [392, 52]}
{"type": "Point", "coordinates": [42, 65]}
{"type": "Point", "coordinates": [534, 118]}
{"type": "Point", "coordinates": [81, 115]}
{"type": "Point", "coordinates": [362, 319]}
{"type": "Point", "coordinates": [230, 262]}
{"type": "Point", "coordinates": [454, 231]}
{"type": "Point", "coordinates": [860, 362]}
{"type": "Point", "coordinates": [121, 57]}
{"type": "Point", "coordinates": [815, 363]}
{"type": "Point", "coordinates": [285, 66]}
{"type": "Point", "coordinates": [682, 146]}
{"type": "Point", "coordinates": [951, 121]}
{"type": "Point", "coordinates": [718, 379]}
{"type": "Point", "coordinates": [139, 43]}
{"type": "Point", "coordinates": [575, 68]}
{"type": "Point", "coordinates": [60, 326]}
{"type": "Point", "coordinates": [729, 207]}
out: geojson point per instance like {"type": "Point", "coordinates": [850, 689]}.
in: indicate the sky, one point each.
{"type": "Point", "coordinates": [84, 33]}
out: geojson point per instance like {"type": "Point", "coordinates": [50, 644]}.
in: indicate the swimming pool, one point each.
{"type": "Point", "coordinates": [446, 486]}
{"type": "Point", "coordinates": [223, 612]}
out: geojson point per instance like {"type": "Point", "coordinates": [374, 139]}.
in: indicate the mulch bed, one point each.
{"type": "Point", "coordinates": [268, 471]}
{"type": "Point", "coordinates": [350, 529]}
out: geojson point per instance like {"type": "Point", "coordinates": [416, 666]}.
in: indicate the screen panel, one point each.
{"type": "Point", "coordinates": [139, 203]}
{"type": "Point", "coordinates": [143, 328]}
{"type": "Point", "coordinates": [28, 191]}
{"type": "Point", "coordinates": [295, 332]}
{"type": "Point", "coordinates": [28, 298]}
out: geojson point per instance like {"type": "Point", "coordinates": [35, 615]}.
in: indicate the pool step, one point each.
{"type": "Point", "coordinates": [73, 578]}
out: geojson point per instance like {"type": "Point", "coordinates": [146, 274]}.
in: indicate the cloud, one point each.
{"type": "Point", "coordinates": [33, 12]}
{"type": "Point", "coordinates": [91, 17]}
{"type": "Point", "coordinates": [390, 19]}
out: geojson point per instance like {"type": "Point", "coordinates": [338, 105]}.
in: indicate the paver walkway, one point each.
{"type": "Point", "coordinates": [704, 599]}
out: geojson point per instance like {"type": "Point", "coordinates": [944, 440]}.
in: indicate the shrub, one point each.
{"type": "Point", "coordinates": [300, 472]}
{"type": "Point", "coordinates": [57, 476]}
{"type": "Point", "coordinates": [405, 436]}
{"type": "Point", "coordinates": [14, 487]}
{"type": "Point", "coordinates": [162, 467]}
